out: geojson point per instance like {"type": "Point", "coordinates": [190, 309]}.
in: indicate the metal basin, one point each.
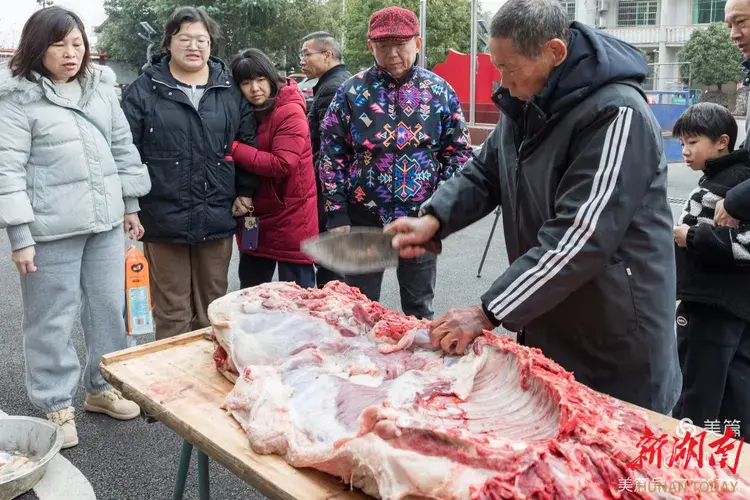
{"type": "Point", "coordinates": [39, 440]}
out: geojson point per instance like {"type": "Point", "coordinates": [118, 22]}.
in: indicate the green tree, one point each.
{"type": "Point", "coordinates": [274, 26]}
{"type": "Point", "coordinates": [713, 57]}
{"type": "Point", "coordinates": [448, 27]}
{"type": "Point", "coordinates": [119, 37]}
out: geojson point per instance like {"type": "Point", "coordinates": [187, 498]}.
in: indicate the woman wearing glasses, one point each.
{"type": "Point", "coordinates": [185, 111]}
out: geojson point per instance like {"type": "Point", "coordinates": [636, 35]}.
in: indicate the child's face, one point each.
{"type": "Point", "coordinates": [699, 148]}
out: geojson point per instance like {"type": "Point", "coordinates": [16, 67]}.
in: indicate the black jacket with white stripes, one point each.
{"type": "Point", "coordinates": [714, 269]}
{"type": "Point", "coordinates": [581, 176]}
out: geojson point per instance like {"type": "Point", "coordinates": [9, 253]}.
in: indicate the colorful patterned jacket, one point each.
{"type": "Point", "coordinates": [387, 145]}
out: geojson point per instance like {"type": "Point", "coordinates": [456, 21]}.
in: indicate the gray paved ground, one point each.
{"type": "Point", "coordinates": [134, 460]}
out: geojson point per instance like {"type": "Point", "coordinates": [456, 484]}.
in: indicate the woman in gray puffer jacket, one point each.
{"type": "Point", "coordinates": [69, 177]}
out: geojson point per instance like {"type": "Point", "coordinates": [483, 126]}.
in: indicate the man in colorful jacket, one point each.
{"type": "Point", "coordinates": [391, 136]}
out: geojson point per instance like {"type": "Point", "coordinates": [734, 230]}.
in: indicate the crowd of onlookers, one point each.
{"type": "Point", "coordinates": [200, 155]}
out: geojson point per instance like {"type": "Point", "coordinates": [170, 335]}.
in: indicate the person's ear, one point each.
{"type": "Point", "coordinates": [723, 141]}
{"type": "Point", "coordinates": [419, 43]}
{"type": "Point", "coordinates": [371, 47]}
{"type": "Point", "coordinates": [556, 51]}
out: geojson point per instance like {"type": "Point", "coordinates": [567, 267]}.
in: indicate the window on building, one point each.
{"type": "Point", "coordinates": [570, 6]}
{"type": "Point", "coordinates": [708, 11]}
{"type": "Point", "coordinates": [636, 13]}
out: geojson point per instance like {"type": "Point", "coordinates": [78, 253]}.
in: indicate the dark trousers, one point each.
{"type": "Point", "coordinates": [714, 351]}
{"type": "Point", "coordinates": [416, 282]}
{"type": "Point", "coordinates": [324, 275]}
{"type": "Point", "coordinates": [255, 271]}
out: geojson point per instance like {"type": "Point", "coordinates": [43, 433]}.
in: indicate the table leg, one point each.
{"type": "Point", "coordinates": [203, 477]}
{"type": "Point", "coordinates": [182, 472]}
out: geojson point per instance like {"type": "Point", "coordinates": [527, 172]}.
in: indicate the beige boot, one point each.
{"type": "Point", "coordinates": [112, 403]}
{"type": "Point", "coordinates": [65, 418]}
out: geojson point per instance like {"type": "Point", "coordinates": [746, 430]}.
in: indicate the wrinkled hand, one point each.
{"type": "Point", "coordinates": [722, 218]}
{"type": "Point", "coordinates": [411, 233]}
{"type": "Point", "coordinates": [454, 330]}
{"type": "Point", "coordinates": [340, 230]}
{"type": "Point", "coordinates": [24, 260]}
{"type": "Point", "coordinates": [133, 227]}
{"type": "Point", "coordinates": [680, 235]}
{"type": "Point", "coordinates": [242, 205]}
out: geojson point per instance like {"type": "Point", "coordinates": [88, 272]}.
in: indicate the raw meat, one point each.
{"type": "Point", "coordinates": [334, 381]}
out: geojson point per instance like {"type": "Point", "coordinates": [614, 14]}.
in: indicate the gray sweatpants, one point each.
{"type": "Point", "coordinates": [85, 273]}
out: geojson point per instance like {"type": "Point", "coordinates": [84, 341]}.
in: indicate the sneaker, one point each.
{"type": "Point", "coordinates": [112, 403]}
{"type": "Point", "coordinates": [65, 418]}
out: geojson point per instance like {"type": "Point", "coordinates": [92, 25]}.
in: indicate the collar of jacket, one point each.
{"type": "Point", "coordinates": [527, 116]}
{"type": "Point", "coordinates": [383, 74]}
{"type": "Point", "coordinates": [24, 91]}
{"type": "Point", "coordinates": [218, 73]}
{"type": "Point", "coordinates": [339, 68]}
{"type": "Point", "coordinates": [716, 165]}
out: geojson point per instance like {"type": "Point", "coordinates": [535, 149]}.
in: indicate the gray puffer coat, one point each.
{"type": "Point", "coordinates": [66, 168]}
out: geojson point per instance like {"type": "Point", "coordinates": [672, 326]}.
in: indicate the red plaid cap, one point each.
{"type": "Point", "coordinates": [393, 23]}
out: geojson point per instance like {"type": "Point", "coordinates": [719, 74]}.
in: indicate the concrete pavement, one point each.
{"type": "Point", "coordinates": [135, 460]}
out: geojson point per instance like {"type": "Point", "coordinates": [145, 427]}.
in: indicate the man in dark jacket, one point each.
{"type": "Point", "coordinates": [185, 111]}
{"type": "Point", "coordinates": [736, 205]}
{"type": "Point", "coordinates": [321, 58]}
{"type": "Point", "coordinates": [578, 166]}
{"type": "Point", "coordinates": [391, 136]}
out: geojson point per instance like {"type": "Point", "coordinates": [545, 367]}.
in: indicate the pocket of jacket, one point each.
{"type": "Point", "coordinates": [38, 193]}
{"type": "Point", "coordinates": [166, 178]}
{"type": "Point", "coordinates": [619, 303]}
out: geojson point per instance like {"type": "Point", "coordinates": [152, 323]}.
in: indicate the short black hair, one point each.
{"type": "Point", "coordinates": [706, 119]}
{"type": "Point", "coordinates": [189, 15]}
{"type": "Point", "coordinates": [531, 24]}
{"type": "Point", "coordinates": [253, 63]}
{"type": "Point", "coordinates": [44, 28]}
{"type": "Point", "coordinates": [326, 42]}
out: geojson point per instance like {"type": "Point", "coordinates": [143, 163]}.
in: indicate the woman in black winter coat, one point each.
{"type": "Point", "coordinates": [185, 111]}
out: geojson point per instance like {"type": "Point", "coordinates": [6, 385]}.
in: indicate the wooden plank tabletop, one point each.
{"type": "Point", "coordinates": [176, 382]}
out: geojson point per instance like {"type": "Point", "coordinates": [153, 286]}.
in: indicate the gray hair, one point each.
{"type": "Point", "coordinates": [531, 24]}
{"type": "Point", "coordinates": [325, 41]}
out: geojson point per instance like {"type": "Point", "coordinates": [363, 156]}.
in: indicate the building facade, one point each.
{"type": "Point", "coordinates": [658, 27]}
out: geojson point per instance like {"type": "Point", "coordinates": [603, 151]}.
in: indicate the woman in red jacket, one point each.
{"type": "Point", "coordinates": [285, 203]}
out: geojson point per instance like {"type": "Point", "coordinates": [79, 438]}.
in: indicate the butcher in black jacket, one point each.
{"type": "Point", "coordinates": [321, 58]}
{"type": "Point", "coordinates": [578, 166]}
{"type": "Point", "coordinates": [184, 112]}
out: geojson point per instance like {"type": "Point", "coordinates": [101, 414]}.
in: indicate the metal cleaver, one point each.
{"type": "Point", "coordinates": [361, 251]}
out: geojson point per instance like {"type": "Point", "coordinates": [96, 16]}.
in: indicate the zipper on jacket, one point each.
{"type": "Point", "coordinates": [203, 127]}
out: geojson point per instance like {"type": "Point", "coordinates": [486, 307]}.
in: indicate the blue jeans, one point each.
{"type": "Point", "coordinates": [416, 282]}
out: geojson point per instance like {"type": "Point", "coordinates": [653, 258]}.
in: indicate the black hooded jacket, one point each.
{"type": "Point", "coordinates": [187, 152]}
{"type": "Point", "coordinates": [581, 176]}
{"type": "Point", "coordinates": [714, 267]}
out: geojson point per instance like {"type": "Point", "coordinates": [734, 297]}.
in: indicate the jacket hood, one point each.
{"type": "Point", "coordinates": [289, 94]}
{"type": "Point", "coordinates": [24, 91]}
{"type": "Point", "coordinates": [158, 67]}
{"type": "Point", "coordinates": [594, 59]}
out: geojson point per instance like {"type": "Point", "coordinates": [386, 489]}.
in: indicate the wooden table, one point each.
{"type": "Point", "coordinates": [175, 381]}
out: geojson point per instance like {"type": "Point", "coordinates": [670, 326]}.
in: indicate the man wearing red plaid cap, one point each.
{"type": "Point", "coordinates": [391, 136]}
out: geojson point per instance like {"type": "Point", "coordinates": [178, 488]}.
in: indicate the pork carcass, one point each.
{"type": "Point", "coordinates": [331, 380]}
